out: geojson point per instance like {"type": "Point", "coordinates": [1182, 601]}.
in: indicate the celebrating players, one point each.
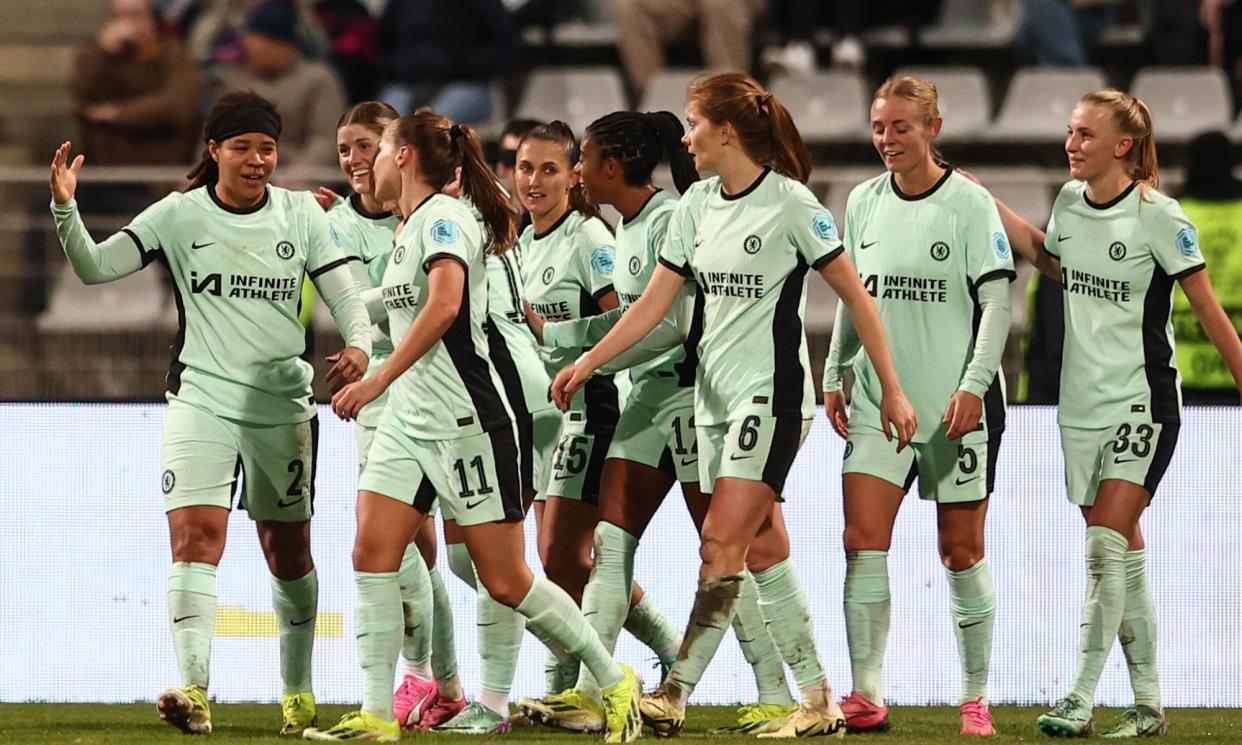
{"type": "Point", "coordinates": [932, 251]}
{"type": "Point", "coordinates": [239, 394]}
{"type": "Point", "coordinates": [1117, 245]}
{"type": "Point", "coordinates": [747, 237]}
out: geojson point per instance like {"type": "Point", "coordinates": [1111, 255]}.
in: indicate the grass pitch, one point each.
{"type": "Point", "coordinates": [137, 724]}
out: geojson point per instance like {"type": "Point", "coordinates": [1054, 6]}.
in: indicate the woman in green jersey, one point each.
{"type": "Point", "coordinates": [1118, 245]}
{"type": "Point", "coordinates": [931, 249]}
{"type": "Point", "coordinates": [430, 692]}
{"type": "Point", "coordinates": [239, 394]}
{"type": "Point", "coordinates": [447, 429]}
{"type": "Point", "coordinates": [655, 442]}
{"type": "Point", "coordinates": [748, 237]}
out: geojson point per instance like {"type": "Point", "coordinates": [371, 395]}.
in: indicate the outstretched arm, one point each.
{"type": "Point", "coordinates": [120, 255]}
{"type": "Point", "coordinates": [1215, 321]}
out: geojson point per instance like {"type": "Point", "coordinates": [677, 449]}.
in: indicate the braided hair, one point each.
{"type": "Point", "coordinates": [640, 141]}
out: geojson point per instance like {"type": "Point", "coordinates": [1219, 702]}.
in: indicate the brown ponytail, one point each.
{"type": "Point", "coordinates": [442, 148]}
{"type": "Point", "coordinates": [559, 133]}
{"type": "Point", "coordinates": [764, 126]}
{"type": "Point", "coordinates": [1133, 118]}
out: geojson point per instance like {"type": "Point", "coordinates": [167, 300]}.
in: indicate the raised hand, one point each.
{"type": "Point", "coordinates": [64, 175]}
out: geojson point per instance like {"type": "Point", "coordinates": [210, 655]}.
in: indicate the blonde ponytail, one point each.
{"type": "Point", "coordinates": [1133, 118]}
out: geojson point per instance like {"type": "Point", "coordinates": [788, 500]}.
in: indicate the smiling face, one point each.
{"type": "Point", "coordinates": [356, 145]}
{"type": "Point", "coordinates": [1093, 142]}
{"type": "Point", "coordinates": [601, 176]}
{"type": "Point", "coordinates": [386, 166]}
{"type": "Point", "coordinates": [246, 164]}
{"type": "Point", "coordinates": [902, 133]}
{"type": "Point", "coordinates": [544, 178]}
{"type": "Point", "coordinates": [704, 139]}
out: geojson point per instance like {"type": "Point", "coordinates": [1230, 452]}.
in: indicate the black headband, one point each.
{"type": "Point", "coordinates": [243, 120]}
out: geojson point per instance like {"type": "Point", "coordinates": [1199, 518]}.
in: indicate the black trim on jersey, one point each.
{"type": "Point", "coordinates": [1050, 253]}
{"type": "Point", "coordinates": [601, 292]}
{"type": "Point", "coordinates": [560, 221]}
{"type": "Point", "coordinates": [1009, 274]}
{"type": "Point", "coordinates": [1166, 443]}
{"type": "Point", "coordinates": [424, 495]}
{"type": "Point", "coordinates": [683, 271]}
{"type": "Point", "coordinates": [327, 268]}
{"type": "Point", "coordinates": [507, 462]}
{"type": "Point", "coordinates": [994, 396]}
{"type": "Point", "coordinates": [355, 201]}
{"type": "Point", "coordinates": [787, 335]}
{"type": "Point", "coordinates": [1112, 202]}
{"type": "Point", "coordinates": [665, 464]}
{"type": "Point", "coordinates": [444, 255]}
{"type": "Point", "coordinates": [473, 369]}
{"type": "Point", "coordinates": [314, 464]}
{"type": "Point", "coordinates": [643, 208]}
{"type": "Point", "coordinates": [688, 368]}
{"type": "Point", "coordinates": [827, 258]}
{"type": "Point", "coordinates": [238, 487]}
{"type": "Point", "coordinates": [1157, 353]}
{"type": "Point", "coordinates": [912, 474]}
{"type": "Point", "coordinates": [892, 181]}
{"type": "Point", "coordinates": [600, 444]}
{"type": "Point", "coordinates": [176, 366]}
{"type": "Point", "coordinates": [1187, 272]}
{"type": "Point", "coordinates": [994, 443]}
{"type": "Point", "coordinates": [515, 287]}
{"type": "Point", "coordinates": [603, 407]}
{"type": "Point", "coordinates": [511, 381]}
{"type": "Point", "coordinates": [426, 199]}
{"type": "Point", "coordinates": [211, 192]}
{"type": "Point", "coordinates": [744, 192]}
{"type": "Point", "coordinates": [786, 437]}
{"type": "Point", "coordinates": [145, 256]}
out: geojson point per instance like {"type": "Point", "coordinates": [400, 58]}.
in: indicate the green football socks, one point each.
{"type": "Point", "coordinates": [758, 648]}
{"type": "Point", "coordinates": [711, 614]}
{"type": "Point", "coordinates": [192, 614]}
{"type": "Point", "coordinates": [648, 625]}
{"type": "Point", "coordinates": [377, 629]}
{"type": "Point", "coordinates": [296, 603]}
{"type": "Point", "coordinates": [443, 645]}
{"type": "Point", "coordinates": [1138, 633]}
{"type": "Point", "coordinates": [784, 607]}
{"type": "Point", "coordinates": [606, 598]}
{"type": "Point", "coordinates": [866, 618]}
{"type": "Point", "coordinates": [416, 606]}
{"type": "Point", "coordinates": [972, 598]}
{"type": "Point", "coordinates": [1101, 614]}
{"type": "Point", "coordinates": [555, 619]}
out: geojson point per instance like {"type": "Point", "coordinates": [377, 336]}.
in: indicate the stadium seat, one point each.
{"type": "Point", "coordinates": [964, 100]}
{"type": "Point", "coordinates": [137, 302]}
{"type": "Point", "coordinates": [1184, 101]}
{"type": "Point", "coordinates": [971, 23]}
{"type": "Point", "coordinates": [576, 96]}
{"type": "Point", "coordinates": [1039, 103]}
{"type": "Point", "coordinates": [827, 106]}
{"type": "Point", "coordinates": [1030, 197]}
{"type": "Point", "coordinates": [666, 91]}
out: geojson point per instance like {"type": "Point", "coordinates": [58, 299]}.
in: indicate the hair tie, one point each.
{"type": "Point", "coordinates": [454, 132]}
{"type": "Point", "coordinates": [762, 102]}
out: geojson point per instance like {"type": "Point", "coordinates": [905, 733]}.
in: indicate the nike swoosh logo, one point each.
{"type": "Point", "coordinates": [471, 506]}
{"type": "Point", "coordinates": [1063, 237]}
{"type": "Point", "coordinates": [1124, 460]}
{"type": "Point", "coordinates": [197, 246]}
{"type": "Point", "coordinates": [865, 245]}
{"type": "Point", "coordinates": [690, 462]}
{"type": "Point", "coordinates": [740, 457]}
{"type": "Point", "coordinates": [282, 503]}
{"type": "Point", "coordinates": [303, 622]}
{"type": "Point", "coordinates": [968, 625]}
{"type": "Point", "coordinates": [959, 482]}
{"type": "Point", "coordinates": [184, 618]}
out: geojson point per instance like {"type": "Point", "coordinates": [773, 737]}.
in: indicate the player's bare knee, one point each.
{"type": "Point", "coordinates": [198, 541]}
{"type": "Point", "coordinates": [959, 557]}
{"type": "Point", "coordinates": [860, 538]}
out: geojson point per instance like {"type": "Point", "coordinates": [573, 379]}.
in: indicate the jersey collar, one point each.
{"type": "Point", "coordinates": [211, 192]}
{"type": "Point", "coordinates": [642, 209]}
{"type": "Point", "coordinates": [555, 225]}
{"type": "Point", "coordinates": [747, 190]}
{"type": "Point", "coordinates": [892, 180]}
{"type": "Point", "coordinates": [1110, 203]}
{"type": "Point", "coordinates": [355, 201]}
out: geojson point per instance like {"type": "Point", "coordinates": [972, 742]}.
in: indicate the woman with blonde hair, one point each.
{"type": "Point", "coordinates": [1118, 245]}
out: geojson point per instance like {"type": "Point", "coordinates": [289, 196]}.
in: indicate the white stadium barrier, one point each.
{"type": "Point", "coordinates": [84, 559]}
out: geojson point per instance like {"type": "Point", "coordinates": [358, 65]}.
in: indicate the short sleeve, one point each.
{"type": "Point", "coordinates": [443, 236]}
{"type": "Point", "coordinates": [988, 254]}
{"type": "Point", "coordinates": [850, 235]}
{"type": "Point", "coordinates": [152, 227]}
{"type": "Point", "coordinates": [343, 235]}
{"type": "Point", "coordinates": [597, 251]}
{"type": "Point", "coordinates": [812, 229]}
{"type": "Point", "coordinates": [323, 252]}
{"type": "Point", "coordinates": [1174, 240]}
{"type": "Point", "coordinates": [678, 245]}
{"type": "Point", "coordinates": [1050, 235]}
{"type": "Point", "coordinates": [657, 234]}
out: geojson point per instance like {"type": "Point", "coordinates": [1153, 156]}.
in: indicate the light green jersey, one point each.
{"type": "Point", "coordinates": [565, 271]}
{"type": "Point", "coordinates": [238, 279]}
{"type": "Point", "coordinates": [750, 253]}
{"type": "Point", "coordinates": [453, 391]}
{"type": "Point", "coordinates": [515, 353]}
{"type": "Point", "coordinates": [1220, 235]}
{"type": "Point", "coordinates": [1119, 261]}
{"type": "Point", "coordinates": [923, 259]}
{"type": "Point", "coordinates": [366, 237]}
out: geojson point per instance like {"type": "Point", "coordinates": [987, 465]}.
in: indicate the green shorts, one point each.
{"type": "Point", "coordinates": [537, 455]}
{"type": "Point", "coordinates": [366, 436]}
{"type": "Point", "coordinates": [755, 447]}
{"type": "Point", "coordinates": [203, 455]}
{"type": "Point", "coordinates": [477, 478]}
{"type": "Point", "coordinates": [578, 461]}
{"type": "Point", "coordinates": [659, 434]}
{"type": "Point", "coordinates": [948, 471]}
{"type": "Point", "coordinates": [1138, 452]}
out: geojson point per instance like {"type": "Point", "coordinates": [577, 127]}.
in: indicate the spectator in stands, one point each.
{"type": "Point", "coordinates": [308, 94]}
{"type": "Point", "coordinates": [136, 91]}
{"type": "Point", "coordinates": [1056, 33]}
{"type": "Point", "coordinates": [646, 27]}
{"type": "Point", "coordinates": [214, 29]}
{"type": "Point", "coordinates": [444, 54]}
{"type": "Point", "coordinates": [354, 53]}
{"type": "Point", "coordinates": [797, 21]}
{"type": "Point", "coordinates": [1212, 199]}
{"type": "Point", "coordinates": [506, 162]}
